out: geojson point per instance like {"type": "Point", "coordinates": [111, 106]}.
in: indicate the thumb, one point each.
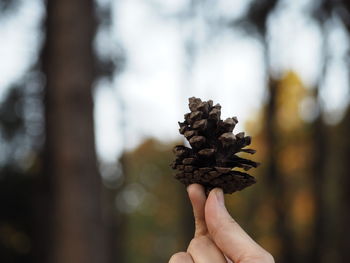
{"type": "Point", "coordinates": [232, 240]}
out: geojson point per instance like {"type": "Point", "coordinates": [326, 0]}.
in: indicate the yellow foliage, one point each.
{"type": "Point", "coordinates": [290, 92]}
{"type": "Point", "coordinates": [303, 207]}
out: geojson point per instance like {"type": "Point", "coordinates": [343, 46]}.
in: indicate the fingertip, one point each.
{"type": "Point", "coordinates": [196, 192]}
{"type": "Point", "coordinates": [215, 203]}
{"type": "Point", "coordinates": [194, 188]}
{"type": "Point", "coordinates": [217, 195]}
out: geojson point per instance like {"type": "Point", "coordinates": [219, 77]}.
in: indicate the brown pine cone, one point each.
{"type": "Point", "coordinates": [212, 159]}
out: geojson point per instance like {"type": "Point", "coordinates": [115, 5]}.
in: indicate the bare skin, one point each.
{"type": "Point", "coordinates": [218, 238]}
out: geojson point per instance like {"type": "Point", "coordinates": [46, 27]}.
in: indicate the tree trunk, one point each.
{"type": "Point", "coordinates": [318, 246]}
{"type": "Point", "coordinates": [318, 183]}
{"type": "Point", "coordinates": [274, 180]}
{"type": "Point", "coordinates": [345, 176]}
{"type": "Point", "coordinates": [344, 215]}
{"type": "Point", "coordinates": [68, 63]}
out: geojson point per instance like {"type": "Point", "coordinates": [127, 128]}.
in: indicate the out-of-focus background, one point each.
{"type": "Point", "coordinates": [90, 95]}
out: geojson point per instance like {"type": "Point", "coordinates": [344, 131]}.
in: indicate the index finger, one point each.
{"type": "Point", "coordinates": [198, 199]}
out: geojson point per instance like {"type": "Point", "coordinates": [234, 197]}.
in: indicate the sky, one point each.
{"type": "Point", "coordinates": [150, 95]}
{"type": "Point", "coordinates": [19, 39]}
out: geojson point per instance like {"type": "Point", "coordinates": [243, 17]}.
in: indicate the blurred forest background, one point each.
{"type": "Point", "coordinates": [85, 183]}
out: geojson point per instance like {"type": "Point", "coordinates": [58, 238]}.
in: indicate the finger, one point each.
{"type": "Point", "coordinates": [231, 239]}
{"type": "Point", "coordinates": [181, 257]}
{"type": "Point", "coordinates": [204, 250]}
{"type": "Point", "coordinates": [197, 197]}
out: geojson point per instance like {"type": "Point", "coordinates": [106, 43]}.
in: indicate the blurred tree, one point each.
{"type": "Point", "coordinates": [319, 245]}
{"type": "Point", "coordinates": [342, 9]}
{"type": "Point", "coordinates": [291, 199]}
{"type": "Point", "coordinates": [69, 66]}
{"type": "Point", "coordinates": [344, 183]}
{"type": "Point", "coordinates": [70, 29]}
{"type": "Point", "coordinates": [255, 22]}
{"type": "Point", "coordinates": [153, 202]}
{"type": "Point", "coordinates": [325, 11]}
{"type": "Point", "coordinates": [273, 179]}
{"type": "Point", "coordinates": [16, 180]}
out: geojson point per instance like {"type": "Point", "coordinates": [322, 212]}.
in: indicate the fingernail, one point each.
{"type": "Point", "coordinates": [220, 196]}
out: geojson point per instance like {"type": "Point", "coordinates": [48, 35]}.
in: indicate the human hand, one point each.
{"type": "Point", "coordinates": [218, 238]}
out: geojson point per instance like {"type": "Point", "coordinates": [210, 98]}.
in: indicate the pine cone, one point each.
{"type": "Point", "coordinates": [212, 159]}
